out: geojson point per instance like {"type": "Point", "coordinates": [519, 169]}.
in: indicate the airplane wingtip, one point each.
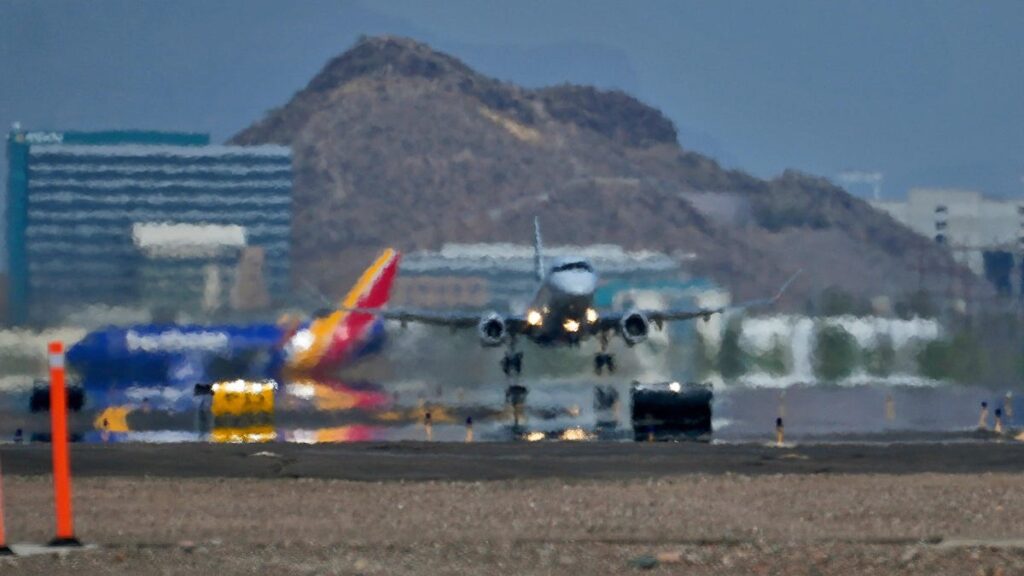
{"type": "Point", "coordinates": [785, 286]}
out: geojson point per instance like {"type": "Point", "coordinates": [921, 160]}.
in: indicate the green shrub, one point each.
{"type": "Point", "coordinates": [835, 353]}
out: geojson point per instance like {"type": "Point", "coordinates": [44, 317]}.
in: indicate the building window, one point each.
{"type": "Point", "coordinates": [940, 225]}
{"type": "Point", "coordinates": [941, 209]}
{"type": "Point", "coordinates": [940, 238]}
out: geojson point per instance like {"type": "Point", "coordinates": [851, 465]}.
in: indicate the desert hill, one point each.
{"type": "Point", "coordinates": [398, 144]}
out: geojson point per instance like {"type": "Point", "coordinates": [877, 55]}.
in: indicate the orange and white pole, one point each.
{"type": "Point", "coordinates": [4, 550]}
{"type": "Point", "coordinates": [59, 445]}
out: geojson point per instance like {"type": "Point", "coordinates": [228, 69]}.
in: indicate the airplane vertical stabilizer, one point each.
{"type": "Point", "coordinates": [339, 334]}
{"type": "Point", "coordinates": [538, 258]}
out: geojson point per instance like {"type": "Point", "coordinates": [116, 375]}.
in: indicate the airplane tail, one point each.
{"type": "Point", "coordinates": [538, 259]}
{"type": "Point", "coordinates": [331, 339]}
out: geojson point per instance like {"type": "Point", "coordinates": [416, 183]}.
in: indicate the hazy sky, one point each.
{"type": "Point", "coordinates": [928, 92]}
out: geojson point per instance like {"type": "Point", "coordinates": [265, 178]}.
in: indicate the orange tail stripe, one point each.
{"type": "Point", "coordinates": [323, 329]}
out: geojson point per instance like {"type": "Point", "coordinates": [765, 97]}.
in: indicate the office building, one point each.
{"type": "Point", "coordinates": [91, 215]}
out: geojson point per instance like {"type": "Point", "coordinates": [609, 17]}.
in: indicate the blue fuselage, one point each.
{"type": "Point", "coordinates": [174, 353]}
{"type": "Point", "coordinates": [188, 354]}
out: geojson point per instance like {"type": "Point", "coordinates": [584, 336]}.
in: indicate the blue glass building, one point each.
{"type": "Point", "coordinates": [73, 199]}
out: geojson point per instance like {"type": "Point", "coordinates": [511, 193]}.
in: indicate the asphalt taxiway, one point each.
{"type": "Point", "coordinates": [397, 461]}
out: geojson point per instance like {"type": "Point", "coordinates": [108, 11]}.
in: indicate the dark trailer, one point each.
{"type": "Point", "coordinates": [671, 411]}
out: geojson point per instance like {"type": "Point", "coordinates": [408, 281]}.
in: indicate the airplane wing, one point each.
{"type": "Point", "coordinates": [659, 317]}
{"type": "Point", "coordinates": [450, 318]}
{"type": "Point", "coordinates": [517, 324]}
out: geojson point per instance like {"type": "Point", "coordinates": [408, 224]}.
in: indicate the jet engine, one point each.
{"type": "Point", "coordinates": [492, 330]}
{"type": "Point", "coordinates": [634, 327]}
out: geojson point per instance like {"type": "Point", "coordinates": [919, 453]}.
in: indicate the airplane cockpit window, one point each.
{"type": "Point", "coordinates": [573, 266]}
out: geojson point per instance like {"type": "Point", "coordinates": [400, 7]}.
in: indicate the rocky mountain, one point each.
{"type": "Point", "coordinates": [398, 144]}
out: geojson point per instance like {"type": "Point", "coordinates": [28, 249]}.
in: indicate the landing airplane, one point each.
{"type": "Point", "coordinates": [184, 355]}
{"type": "Point", "coordinates": [562, 313]}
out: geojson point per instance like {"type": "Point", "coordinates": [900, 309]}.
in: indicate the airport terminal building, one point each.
{"type": "Point", "coordinates": [152, 220]}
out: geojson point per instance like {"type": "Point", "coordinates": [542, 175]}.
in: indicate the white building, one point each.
{"type": "Point", "coordinates": [965, 220]}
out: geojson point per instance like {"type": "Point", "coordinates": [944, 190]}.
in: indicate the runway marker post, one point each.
{"type": "Point", "coordinates": [59, 446]}
{"type": "Point", "coordinates": [469, 429]}
{"type": "Point", "coordinates": [4, 550]}
{"type": "Point", "coordinates": [428, 426]}
{"type": "Point", "coordinates": [780, 432]}
{"type": "Point", "coordinates": [1008, 408]}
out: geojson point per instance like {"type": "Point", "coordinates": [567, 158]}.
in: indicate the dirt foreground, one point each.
{"type": "Point", "coordinates": [694, 524]}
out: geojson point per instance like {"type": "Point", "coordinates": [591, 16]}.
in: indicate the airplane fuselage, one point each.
{"type": "Point", "coordinates": [191, 353]}
{"type": "Point", "coordinates": [565, 305]}
{"type": "Point", "coordinates": [172, 353]}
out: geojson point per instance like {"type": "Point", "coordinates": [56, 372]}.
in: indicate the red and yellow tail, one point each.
{"type": "Point", "coordinates": [337, 336]}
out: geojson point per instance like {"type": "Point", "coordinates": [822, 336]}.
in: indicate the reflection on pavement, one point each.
{"type": "Point", "coordinates": [331, 410]}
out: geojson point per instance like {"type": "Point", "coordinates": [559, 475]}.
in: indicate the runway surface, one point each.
{"type": "Point", "coordinates": [405, 461]}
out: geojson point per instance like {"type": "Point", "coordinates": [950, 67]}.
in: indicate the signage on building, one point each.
{"type": "Point", "coordinates": [44, 137]}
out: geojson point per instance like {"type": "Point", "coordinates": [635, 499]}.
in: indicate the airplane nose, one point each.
{"type": "Point", "coordinates": [575, 283]}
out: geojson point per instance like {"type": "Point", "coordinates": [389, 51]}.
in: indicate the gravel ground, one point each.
{"type": "Point", "coordinates": [695, 524]}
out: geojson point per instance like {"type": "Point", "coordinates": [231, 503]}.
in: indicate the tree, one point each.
{"type": "Point", "coordinates": [880, 359]}
{"type": "Point", "coordinates": [732, 360]}
{"type": "Point", "coordinates": [775, 360]}
{"type": "Point", "coordinates": [704, 360]}
{"type": "Point", "coordinates": [835, 353]}
{"type": "Point", "coordinates": [960, 359]}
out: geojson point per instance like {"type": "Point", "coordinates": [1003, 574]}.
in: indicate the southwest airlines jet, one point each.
{"type": "Point", "coordinates": [185, 355]}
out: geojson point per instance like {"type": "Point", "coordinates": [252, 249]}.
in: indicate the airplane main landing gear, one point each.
{"type": "Point", "coordinates": [603, 359]}
{"type": "Point", "coordinates": [515, 396]}
{"type": "Point", "coordinates": [512, 363]}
